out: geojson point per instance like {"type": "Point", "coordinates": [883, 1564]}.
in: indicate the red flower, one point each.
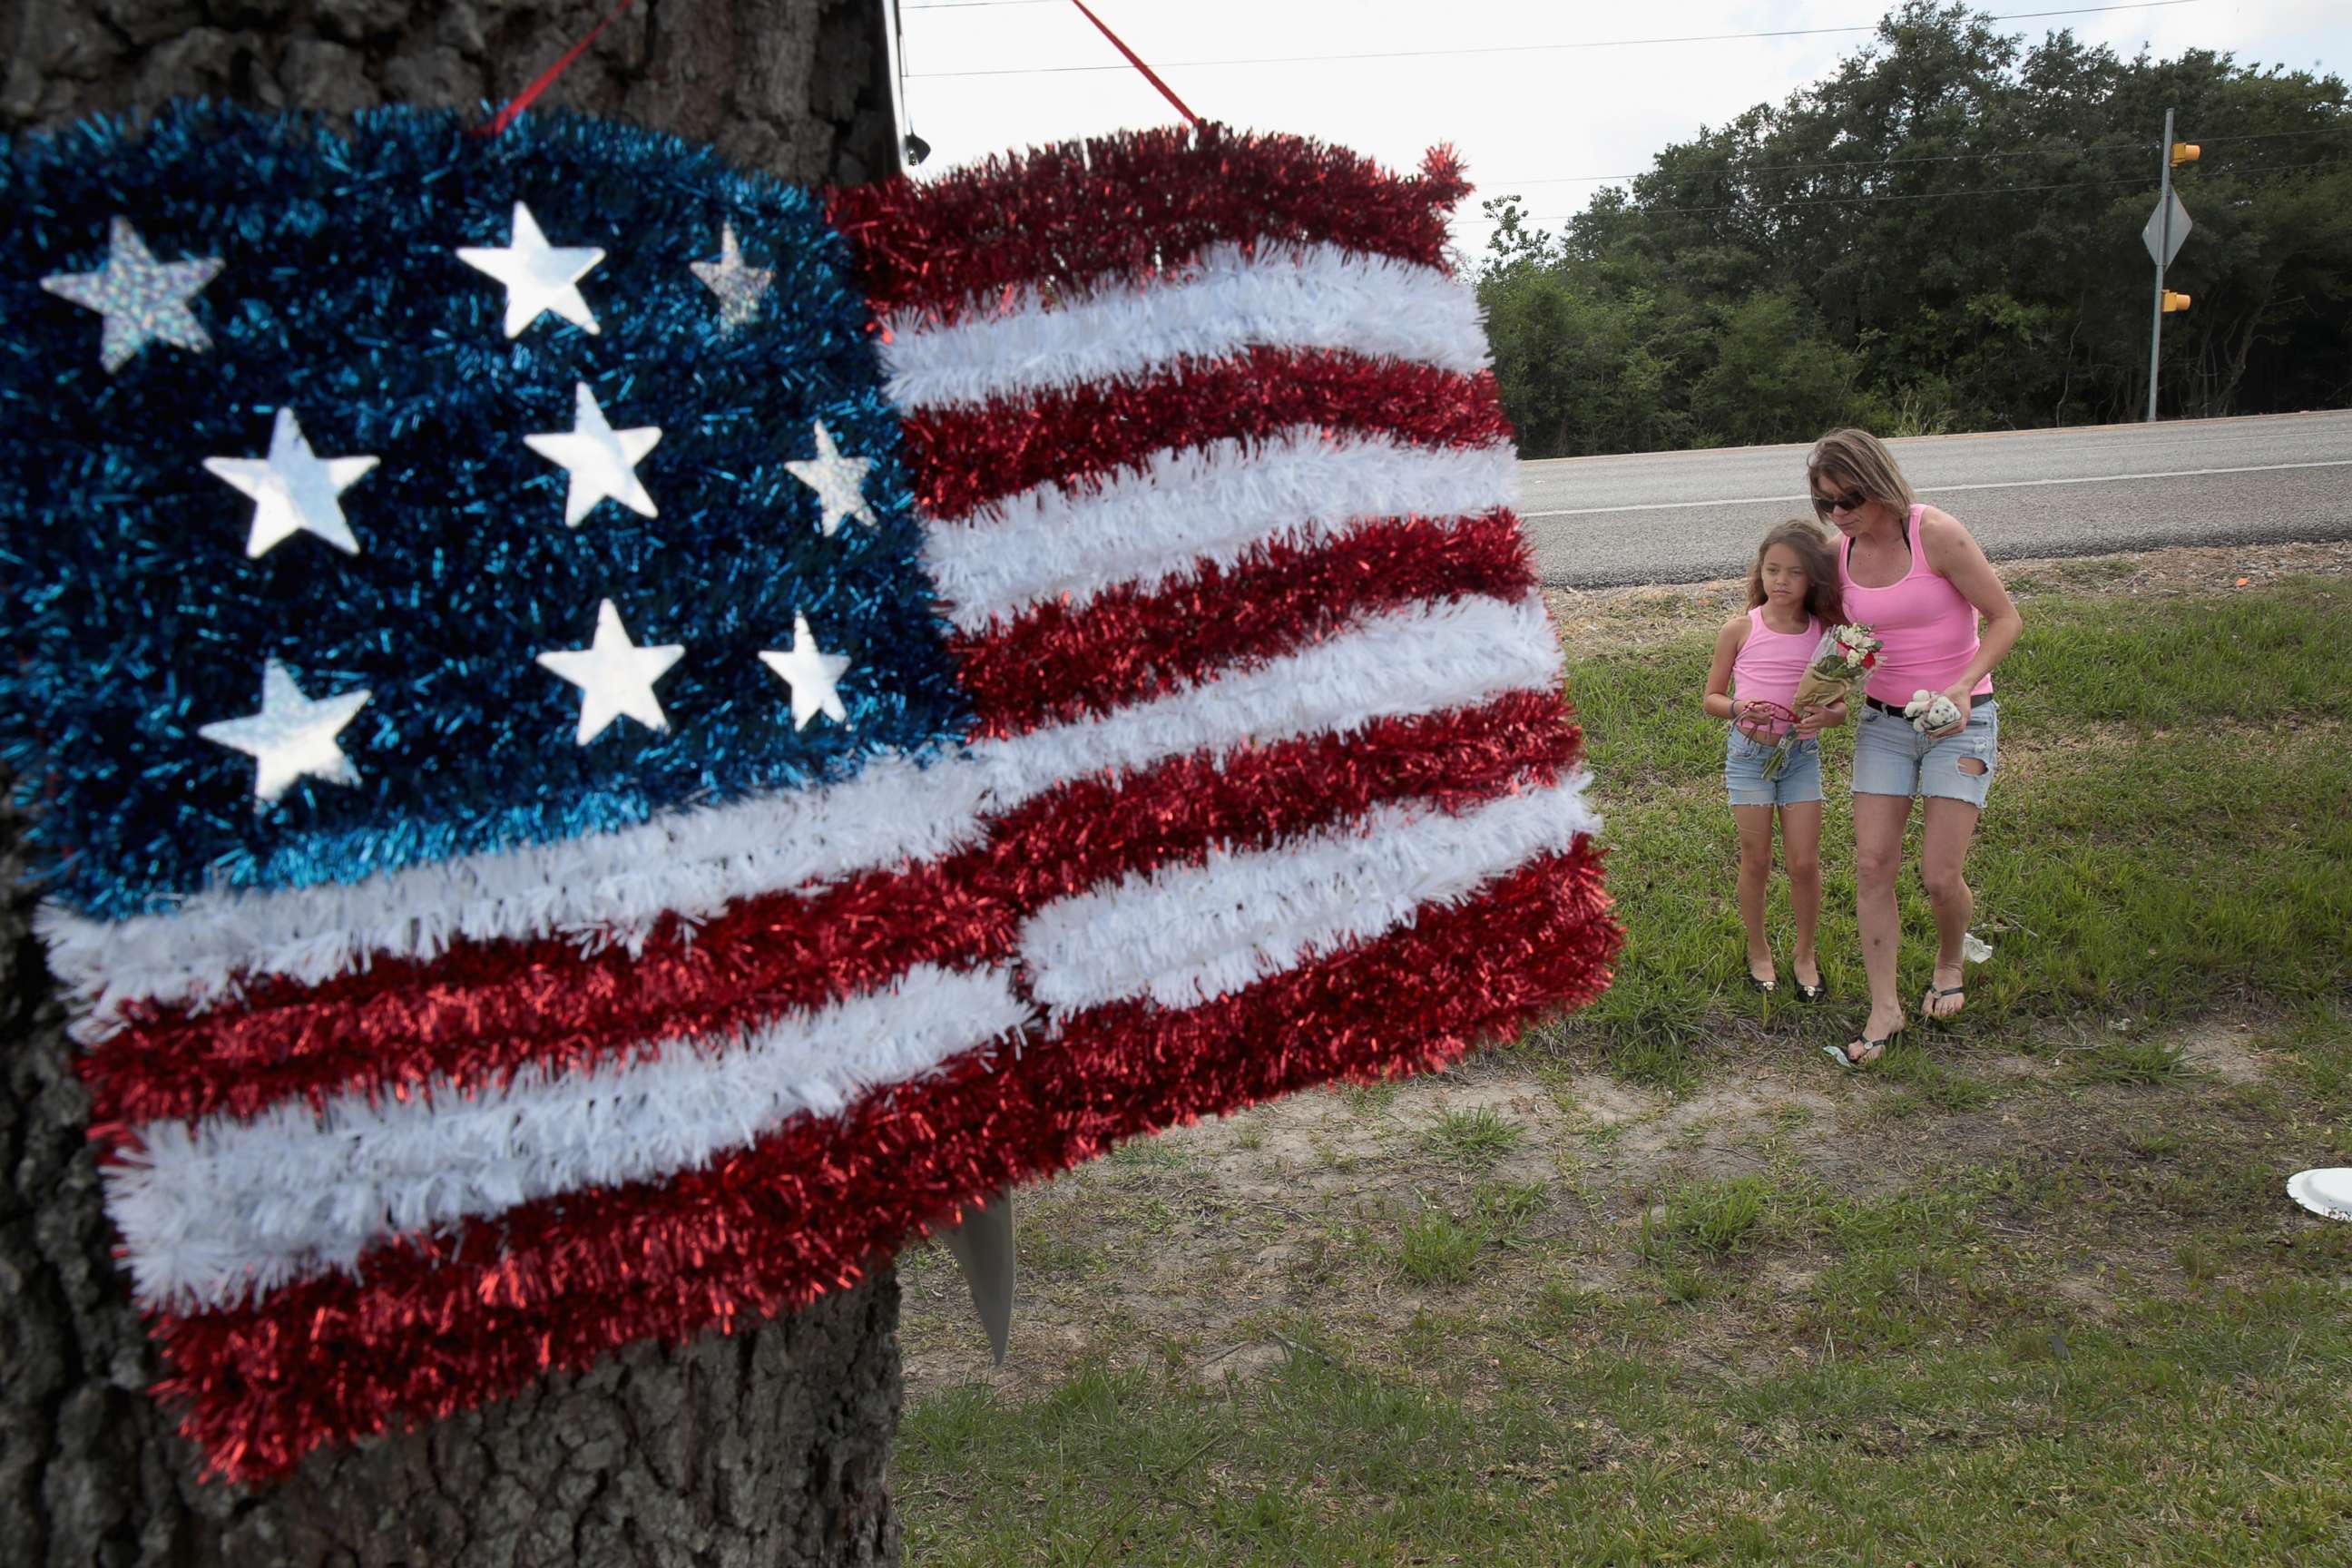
{"type": "Point", "coordinates": [1869, 661]}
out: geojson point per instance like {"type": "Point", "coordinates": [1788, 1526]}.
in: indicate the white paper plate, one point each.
{"type": "Point", "coordinates": [2326, 1192]}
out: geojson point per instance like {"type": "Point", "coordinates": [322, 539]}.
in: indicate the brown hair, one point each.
{"type": "Point", "coordinates": [1862, 460]}
{"type": "Point", "coordinates": [1824, 596]}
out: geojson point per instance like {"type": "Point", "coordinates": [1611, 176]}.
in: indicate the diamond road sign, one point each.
{"type": "Point", "coordinates": [2156, 235]}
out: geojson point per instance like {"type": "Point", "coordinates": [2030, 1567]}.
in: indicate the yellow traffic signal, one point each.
{"type": "Point", "coordinates": [2185, 153]}
{"type": "Point", "coordinates": [2173, 301]}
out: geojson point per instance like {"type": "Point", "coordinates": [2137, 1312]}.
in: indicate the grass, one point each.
{"type": "Point", "coordinates": [1435, 1249]}
{"type": "Point", "coordinates": [2204, 1430]}
{"type": "Point", "coordinates": [2133, 1061]}
{"type": "Point", "coordinates": [1930, 1389]}
{"type": "Point", "coordinates": [1714, 1217]}
{"type": "Point", "coordinates": [2141, 858]}
{"type": "Point", "coordinates": [1476, 1138]}
{"type": "Point", "coordinates": [1930, 1083]}
{"type": "Point", "coordinates": [2029, 1293]}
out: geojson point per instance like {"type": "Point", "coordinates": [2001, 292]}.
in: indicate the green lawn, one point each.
{"type": "Point", "coordinates": [2029, 1293]}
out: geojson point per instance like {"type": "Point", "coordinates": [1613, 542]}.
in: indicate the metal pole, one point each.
{"type": "Point", "coordinates": [2163, 244]}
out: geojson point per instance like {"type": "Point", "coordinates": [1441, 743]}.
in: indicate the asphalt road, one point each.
{"type": "Point", "coordinates": [1687, 517]}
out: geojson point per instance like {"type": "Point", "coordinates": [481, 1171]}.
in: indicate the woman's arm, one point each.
{"type": "Point", "coordinates": [1954, 551]}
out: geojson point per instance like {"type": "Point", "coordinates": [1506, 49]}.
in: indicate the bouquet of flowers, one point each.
{"type": "Point", "coordinates": [1841, 665]}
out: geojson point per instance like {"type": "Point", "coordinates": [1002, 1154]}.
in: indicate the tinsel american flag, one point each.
{"type": "Point", "coordinates": [610, 739]}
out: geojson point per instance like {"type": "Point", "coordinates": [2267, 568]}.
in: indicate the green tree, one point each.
{"type": "Point", "coordinates": [1944, 233]}
{"type": "Point", "coordinates": [1778, 377]}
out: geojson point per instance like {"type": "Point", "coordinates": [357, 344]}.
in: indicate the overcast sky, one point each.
{"type": "Point", "coordinates": [1534, 120]}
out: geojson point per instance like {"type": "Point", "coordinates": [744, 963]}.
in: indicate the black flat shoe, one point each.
{"type": "Point", "coordinates": [1766, 986]}
{"type": "Point", "coordinates": [1809, 993]}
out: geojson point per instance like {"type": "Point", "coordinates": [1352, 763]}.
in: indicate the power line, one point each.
{"type": "Point", "coordinates": [2281, 135]}
{"type": "Point", "coordinates": [1522, 48]}
{"type": "Point", "coordinates": [1855, 164]}
{"type": "Point", "coordinates": [1918, 196]}
{"type": "Point", "coordinates": [2134, 148]}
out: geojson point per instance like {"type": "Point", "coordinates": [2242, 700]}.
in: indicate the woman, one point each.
{"type": "Point", "coordinates": [1920, 579]}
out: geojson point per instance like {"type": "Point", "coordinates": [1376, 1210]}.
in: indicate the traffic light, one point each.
{"type": "Point", "coordinates": [2185, 153]}
{"type": "Point", "coordinates": [2173, 301]}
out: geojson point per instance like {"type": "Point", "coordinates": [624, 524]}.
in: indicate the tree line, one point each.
{"type": "Point", "coordinates": [1942, 235]}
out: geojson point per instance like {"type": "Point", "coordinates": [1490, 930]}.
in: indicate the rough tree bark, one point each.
{"type": "Point", "coordinates": [770, 1446]}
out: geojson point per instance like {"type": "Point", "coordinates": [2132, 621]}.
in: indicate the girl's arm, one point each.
{"type": "Point", "coordinates": [1954, 551]}
{"type": "Point", "coordinates": [1828, 716]}
{"type": "Point", "coordinates": [1728, 644]}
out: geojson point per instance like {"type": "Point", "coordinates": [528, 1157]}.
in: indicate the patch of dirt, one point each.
{"type": "Point", "coordinates": [1201, 1249]}
{"type": "Point", "coordinates": [1607, 619]}
{"type": "Point", "coordinates": [2225, 1049]}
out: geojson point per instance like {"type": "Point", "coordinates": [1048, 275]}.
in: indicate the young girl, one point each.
{"type": "Point", "coordinates": [1794, 600]}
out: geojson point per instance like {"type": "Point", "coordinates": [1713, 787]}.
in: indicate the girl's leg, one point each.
{"type": "Point", "coordinates": [1800, 854]}
{"type": "Point", "coordinates": [1878, 824]}
{"type": "Point", "coordinates": [1944, 838]}
{"type": "Point", "coordinates": [1755, 876]}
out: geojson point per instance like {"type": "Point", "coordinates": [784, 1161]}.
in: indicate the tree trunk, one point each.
{"type": "Point", "coordinates": [770, 1447]}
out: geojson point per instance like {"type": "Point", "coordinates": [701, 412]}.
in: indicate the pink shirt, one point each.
{"type": "Point", "coordinates": [1926, 628]}
{"type": "Point", "coordinates": [1771, 662]}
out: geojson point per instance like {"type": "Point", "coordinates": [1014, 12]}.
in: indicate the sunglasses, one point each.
{"type": "Point", "coordinates": [1851, 500]}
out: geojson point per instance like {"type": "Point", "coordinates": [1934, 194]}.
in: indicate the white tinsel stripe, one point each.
{"type": "Point", "coordinates": [1189, 934]}
{"type": "Point", "coordinates": [1211, 503]}
{"type": "Point", "coordinates": [214, 1212]}
{"type": "Point", "coordinates": [1314, 297]}
{"type": "Point", "coordinates": [613, 887]}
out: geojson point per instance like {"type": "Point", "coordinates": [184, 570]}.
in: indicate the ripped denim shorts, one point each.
{"type": "Point", "coordinates": [1890, 757]}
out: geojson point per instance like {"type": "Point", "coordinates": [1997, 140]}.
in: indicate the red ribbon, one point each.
{"type": "Point", "coordinates": [546, 79]}
{"type": "Point", "coordinates": [1136, 61]}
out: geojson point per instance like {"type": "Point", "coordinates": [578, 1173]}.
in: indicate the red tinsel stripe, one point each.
{"type": "Point", "coordinates": [484, 1009]}
{"type": "Point", "coordinates": [1056, 664]}
{"type": "Point", "coordinates": [963, 458]}
{"type": "Point", "coordinates": [1131, 205]}
{"type": "Point", "coordinates": [451, 1321]}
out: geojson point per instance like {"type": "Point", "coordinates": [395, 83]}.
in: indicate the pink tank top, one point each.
{"type": "Point", "coordinates": [1771, 662]}
{"type": "Point", "coordinates": [1926, 628]}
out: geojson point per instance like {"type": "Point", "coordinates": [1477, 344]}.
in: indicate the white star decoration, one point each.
{"type": "Point", "coordinates": [293, 488]}
{"type": "Point", "coordinates": [142, 300]}
{"type": "Point", "coordinates": [602, 461]}
{"type": "Point", "coordinates": [811, 674]}
{"type": "Point", "coordinates": [539, 277]}
{"type": "Point", "coordinates": [293, 737]}
{"type": "Point", "coordinates": [839, 482]}
{"type": "Point", "coordinates": [615, 676]}
{"type": "Point", "coordinates": [740, 288]}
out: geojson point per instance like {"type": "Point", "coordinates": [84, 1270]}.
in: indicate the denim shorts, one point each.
{"type": "Point", "coordinates": [1743, 770]}
{"type": "Point", "coordinates": [1890, 757]}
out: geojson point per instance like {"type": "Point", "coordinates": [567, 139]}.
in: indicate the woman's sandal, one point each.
{"type": "Point", "coordinates": [1936, 994]}
{"type": "Point", "coordinates": [1871, 1050]}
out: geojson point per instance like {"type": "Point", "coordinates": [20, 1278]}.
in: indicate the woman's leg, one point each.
{"type": "Point", "coordinates": [1948, 829]}
{"type": "Point", "coordinates": [1801, 852]}
{"type": "Point", "coordinates": [1878, 824]}
{"type": "Point", "coordinates": [1755, 877]}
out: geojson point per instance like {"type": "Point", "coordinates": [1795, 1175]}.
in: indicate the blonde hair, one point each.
{"type": "Point", "coordinates": [1824, 596]}
{"type": "Point", "coordinates": [1862, 460]}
